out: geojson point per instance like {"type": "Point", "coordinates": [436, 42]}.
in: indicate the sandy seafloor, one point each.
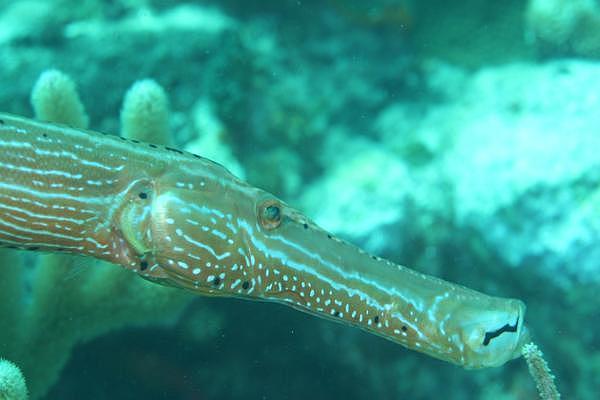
{"type": "Point", "coordinates": [460, 140]}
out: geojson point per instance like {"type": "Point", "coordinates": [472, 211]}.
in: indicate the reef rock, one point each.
{"type": "Point", "coordinates": [513, 156]}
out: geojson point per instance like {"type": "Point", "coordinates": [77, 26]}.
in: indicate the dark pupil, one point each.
{"type": "Point", "coordinates": [272, 213]}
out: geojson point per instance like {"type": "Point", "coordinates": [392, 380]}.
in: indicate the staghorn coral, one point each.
{"type": "Point", "coordinates": [54, 98]}
{"type": "Point", "coordinates": [145, 113]}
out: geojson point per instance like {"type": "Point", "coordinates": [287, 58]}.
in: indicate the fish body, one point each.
{"type": "Point", "coordinates": [182, 220]}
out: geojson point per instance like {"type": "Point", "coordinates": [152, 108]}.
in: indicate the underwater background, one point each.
{"type": "Point", "coordinates": [461, 139]}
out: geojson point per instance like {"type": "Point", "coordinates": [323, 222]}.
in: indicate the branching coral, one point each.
{"type": "Point", "coordinates": [145, 113]}
{"type": "Point", "coordinates": [54, 98]}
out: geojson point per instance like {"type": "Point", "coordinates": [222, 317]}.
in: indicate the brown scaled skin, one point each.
{"type": "Point", "coordinates": [179, 219]}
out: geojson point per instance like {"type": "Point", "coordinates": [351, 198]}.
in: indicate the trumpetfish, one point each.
{"type": "Point", "coordinates": [179, 219]}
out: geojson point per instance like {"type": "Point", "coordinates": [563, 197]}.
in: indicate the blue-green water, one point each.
{"type": "Point", "coordinates": [458, 139]}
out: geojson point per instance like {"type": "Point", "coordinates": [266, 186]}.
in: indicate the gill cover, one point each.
{"type": "Point", "coordinates": [135, 218]}
{"type": "Point", "coordinates": [137, 226]}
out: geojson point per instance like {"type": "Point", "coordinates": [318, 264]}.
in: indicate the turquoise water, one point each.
{"type": "Point", "coordinates": [459, 140]}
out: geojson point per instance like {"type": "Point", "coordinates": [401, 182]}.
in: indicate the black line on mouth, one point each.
{"type": "Point", "coordinates": [494, 334]}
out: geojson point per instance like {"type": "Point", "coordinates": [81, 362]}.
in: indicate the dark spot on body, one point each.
{"type": "Point", "coordinates": [134, 140]}
{"type": "Point", "coordinates": [376, 319]}
{"type": "Point", "coordinates": [245, 285]}
{"type": "Point", "coordinates": [123, 138]}
{"type": "Point", "coordinates": [375, 258]}
{"type": "Point", "coordinates": [1, 122]}
{"type": "Point", "coordinates": [44, 135]}
{"type": "Point", "coordinates": [404, 328]}
{"type": "Point", "coordinates": [143, 265]}
{"type": "Point", "coordinates": [305, 225]}
{"type": "Point", "coordinates": [337, 313]}
{"type": "Point", "coordinates": [174, 150]}
{"type": "Point", "coordinates": [216, 281]}
{"type": "Point", "coordinates": [153, 146]}
{"type": "Point", "coordinates": [143, 195]}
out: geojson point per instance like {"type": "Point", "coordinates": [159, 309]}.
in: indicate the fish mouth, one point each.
{"type": "Point", "coordinates": [496, 334]}
{"type": "Point", "coordinates": [523, 335]}
{"type": "Point", "coordinates": [518, 329]}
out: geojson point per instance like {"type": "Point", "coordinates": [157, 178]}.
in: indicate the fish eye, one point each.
{"type": "Point", "coordinates": [269, 214]}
